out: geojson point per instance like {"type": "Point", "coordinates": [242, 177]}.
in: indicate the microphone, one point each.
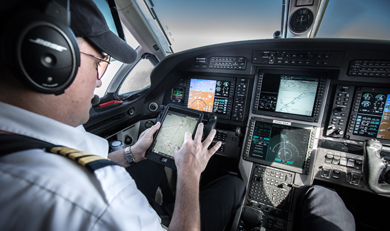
{"type": "Point", "coordinates": [95, 100]}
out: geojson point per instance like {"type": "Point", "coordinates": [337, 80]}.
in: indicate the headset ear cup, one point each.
{"type": "Point", "coordinates": [46, 53]}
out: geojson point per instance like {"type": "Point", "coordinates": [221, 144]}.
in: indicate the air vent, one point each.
{"type": "Point", "coordinates": [153, 107]}
{"type": "Point", "coordinates": [131, 111]}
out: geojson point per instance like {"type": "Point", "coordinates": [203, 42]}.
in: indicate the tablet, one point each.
{"type": "Point", "coordinates": [175, 122]}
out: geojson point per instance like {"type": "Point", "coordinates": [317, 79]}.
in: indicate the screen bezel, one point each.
{"type": "Point", "coordinates": [166, 159]}
{"type": "Point", "coordinates": [309, 149]}
{"type": "Point", "coordinates": [351, 123]}
{"type": "Point", "coordinates": [318, 101]}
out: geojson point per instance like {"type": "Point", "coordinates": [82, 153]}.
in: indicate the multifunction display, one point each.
{"type": "Point", "coordinates": [290, 96]}
{"type": "Point", "coordinates": [275, 143]}
{"type": "Point", "coordinates": [373, 115]}
{"type": "Point", "coordinates": [211, 95]}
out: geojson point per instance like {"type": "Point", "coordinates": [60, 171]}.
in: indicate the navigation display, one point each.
{"type": "Point", "coordinates": [172, 132]}
{"type": "Point", "coordinates": [288, 94]}
{"type": "Point", "coordinates": [280, 144]}
{"type": "Point", "coordinates": [373, 117]}
{"type": "Point", "coordinates": [209, 95]}
{"type": "Point", "coordinates": [296, 95]}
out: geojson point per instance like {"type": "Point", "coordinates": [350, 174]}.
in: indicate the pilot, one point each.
{"type": "Point", "coordinates": [54, 174]}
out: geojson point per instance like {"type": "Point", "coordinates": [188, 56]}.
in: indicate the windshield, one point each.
{"type": "Point", "coordinates": [356, 19]}
{"type": "Point", "coordinates": [189, 24]}
{"type": "Point", "coordinates": [193, 23]}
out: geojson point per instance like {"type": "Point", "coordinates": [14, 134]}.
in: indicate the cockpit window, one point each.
{"type": "Point", "coordinates": [190, 24]}
{"type": "Point", "coordinates": [184, 25]}
{"type": "Point", "coordinates": [355, 19]}
{"type": "Point", "coordinates": [138, 78]}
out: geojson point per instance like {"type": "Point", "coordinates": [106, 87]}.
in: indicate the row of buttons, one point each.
{"type": "Point", "coordinates": [352, 178]}
{"type": "Point", "coordinates": [308, 155]}
{"type": "Point", "coordinates": [341, 99]}
{"type": "Point", "coordinates": [238, 63]}
{"type": "Point", "coordinates": [355, 109]}
{"type": "Point", "coordinates": [340, 109]}
{"type": "Point", "coordinates": [319, 97]}
{"type": "Point", "coordinates": [344, 161]}
{"type": "Point", "coordinates": [282, 57]}
{"type": "Point", "coordinates": [239, 105]}
{"type": "Point", "coordinates": [221, 136]}
{"type": "Point", "coordinates": [373, 68]}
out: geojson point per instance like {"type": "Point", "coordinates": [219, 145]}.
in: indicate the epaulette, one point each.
{"type": "Point", "coordinates": [11, 143]}
{"type": "Point", "coordinates": [90, 161]}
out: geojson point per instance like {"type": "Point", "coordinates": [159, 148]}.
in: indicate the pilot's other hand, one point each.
{"type": "Point", "coordinates": [193, 156]}
{"type": "Point", "coordinates": [144, 141]}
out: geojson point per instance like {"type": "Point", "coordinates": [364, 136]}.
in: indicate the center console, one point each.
{"type": "Point", "coordinates": [281, 139]}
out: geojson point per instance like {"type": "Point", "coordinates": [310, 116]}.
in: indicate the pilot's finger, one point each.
{"type": "Point", "coordinates": [199, 133]}
{"type": "Point", "coordinates": [209, 138]}
{"type": "Point", "coordinates": [153, 129]}
{"type": "Point", "coordinates": [214, 149]}
{"type": "Point", "coordinates": [187, 136]}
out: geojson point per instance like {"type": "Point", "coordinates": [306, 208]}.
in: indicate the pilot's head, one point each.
{"type": "Point", "coordinates": [49, 68]}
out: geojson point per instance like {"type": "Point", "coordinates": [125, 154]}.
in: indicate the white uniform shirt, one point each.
{"type": "Point", "coordinates": [45, 191]}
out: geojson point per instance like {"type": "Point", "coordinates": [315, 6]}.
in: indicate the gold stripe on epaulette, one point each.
{"type": "Point", "coordinates": [69, 152]}
{"type": "Point", "coordinates": [88, 159]}
{"type": "Point", "coordinates": [56, 150]}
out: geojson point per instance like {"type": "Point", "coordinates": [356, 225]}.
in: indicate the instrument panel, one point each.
{"type": "Point", "coordinates": [298, 93]}
{"type": "Point", "coordinates": [290, 111]}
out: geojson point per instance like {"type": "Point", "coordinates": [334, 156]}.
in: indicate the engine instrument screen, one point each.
{"type": "Point", "coordinates": [373, 116]}
{"type": "Point", "coordinates": [209, 95]}
{"type": "Point", "coordinates": [280, 144]}
{"type": "Point", "coordinates": [288, 94]}
{"type": "Point", "coordinates": [177, 95]}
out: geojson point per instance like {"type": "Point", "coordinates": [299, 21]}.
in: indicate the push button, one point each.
{"type": "Point", "coordinates": [336, 174]}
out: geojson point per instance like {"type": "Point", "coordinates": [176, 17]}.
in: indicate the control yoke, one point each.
{"type": "Point", "coordinates": [373, 167]}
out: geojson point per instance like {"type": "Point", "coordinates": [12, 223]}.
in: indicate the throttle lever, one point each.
{"type": "Point", "coordinates": [373, 167]}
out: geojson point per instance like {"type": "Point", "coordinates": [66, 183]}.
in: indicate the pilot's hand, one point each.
{"type": "Point", "coordinates": [193, 156]}
{"type": "Point", "coordinates": [144, 141]}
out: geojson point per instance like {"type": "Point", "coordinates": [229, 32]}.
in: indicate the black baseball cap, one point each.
{"type": "Point", "coordinates": [87, 21]}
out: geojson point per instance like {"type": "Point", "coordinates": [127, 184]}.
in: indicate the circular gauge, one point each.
{"type": "Point", "coordinates": [301, 20]}
{"type": "Point", "coordinates": [380, 97]}
{"type": "Point", "coordinates": [226, 84]}
{"type": "Point", "coordinates": [366, 103]}
{"type": "Point", "coordinates": [367, 96]}
{"type": "Point", "coordinates": [219, 83]}
{"type": "Point", "coordinates": [218, 89]}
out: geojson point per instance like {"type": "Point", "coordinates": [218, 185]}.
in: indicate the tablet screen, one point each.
{"type": "Point", "coordinates": [172, 131]}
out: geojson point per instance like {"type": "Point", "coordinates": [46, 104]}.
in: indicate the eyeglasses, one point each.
{"type": "Point", "coordinates": [101, 66]}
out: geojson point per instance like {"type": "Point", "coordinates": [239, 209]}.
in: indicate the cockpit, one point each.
{"type": "Point", "coordinates": [300, 88]}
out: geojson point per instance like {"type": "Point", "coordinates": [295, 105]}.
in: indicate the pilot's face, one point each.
{"type": "Point", "coordinates": [80, 92]}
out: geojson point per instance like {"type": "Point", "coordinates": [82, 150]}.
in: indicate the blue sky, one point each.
{"type": "Point", "coordinates": [217, 21]}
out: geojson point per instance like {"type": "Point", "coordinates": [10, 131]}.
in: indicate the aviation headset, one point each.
{"type": "Point", "coordinates": [42, 48]}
